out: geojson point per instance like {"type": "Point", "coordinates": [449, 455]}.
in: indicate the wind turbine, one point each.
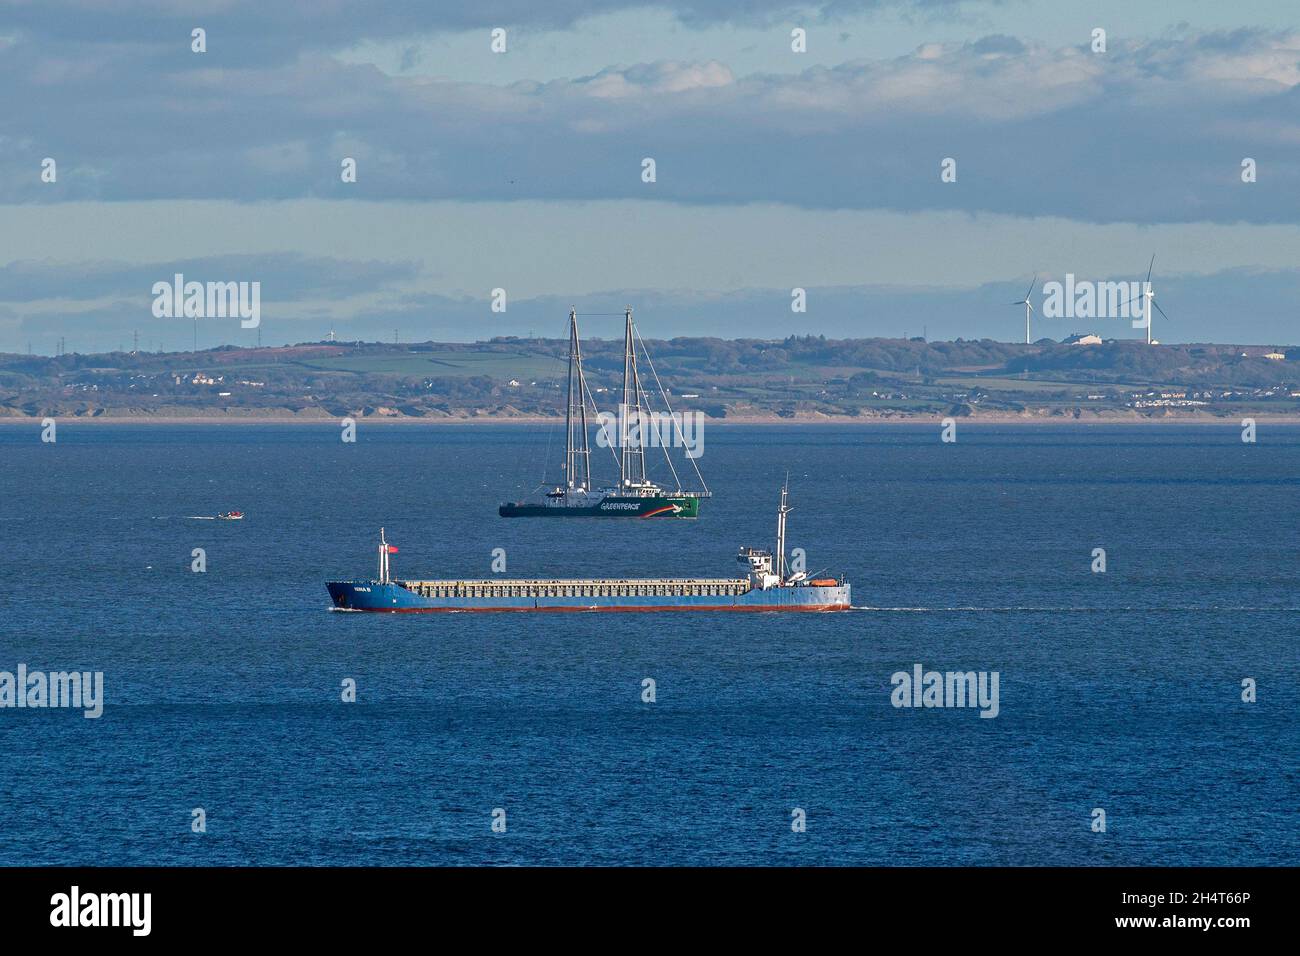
{"type": "Point", "coordinates": [1029, 306]}
{"type": "Point", "coordinates": [1149, 294]}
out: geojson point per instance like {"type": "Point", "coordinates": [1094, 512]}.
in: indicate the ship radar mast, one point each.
{"type": "Point", "coordinates": [781, 512]}
{"type": "Point", "coordinates": [767, 568]}
{"type": "Point", "coordinates": [383, 558]}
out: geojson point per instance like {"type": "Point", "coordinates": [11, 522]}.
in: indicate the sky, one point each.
{"type": "Point", "coordinates": [524, 170]}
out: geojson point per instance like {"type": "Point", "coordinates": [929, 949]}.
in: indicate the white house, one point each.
{"type": "Point", "coordinates": [1082, 338]}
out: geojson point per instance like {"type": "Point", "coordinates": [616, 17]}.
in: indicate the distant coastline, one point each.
{"type": "Point", "coordinates": [1092, 418]}
{"type": "Point", "coordinates": [800, 379]}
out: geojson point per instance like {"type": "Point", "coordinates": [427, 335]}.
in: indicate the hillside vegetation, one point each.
{"type": "Point", "coordinates": [799, 377]}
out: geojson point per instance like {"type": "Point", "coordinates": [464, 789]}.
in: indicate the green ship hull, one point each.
{"type": "Point", "coordinates": [611, 506]}
{"type": "Point", "coordinates": [634, 495]}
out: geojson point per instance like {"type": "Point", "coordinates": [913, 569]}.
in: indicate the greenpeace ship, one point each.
{"type": "Point", "coordinates": [634, 495]}
{"type": "Point", "coordinates": [766, 587]}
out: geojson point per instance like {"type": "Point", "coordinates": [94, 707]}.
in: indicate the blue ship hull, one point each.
{"type": "Point", "coordinates": [394, 597]}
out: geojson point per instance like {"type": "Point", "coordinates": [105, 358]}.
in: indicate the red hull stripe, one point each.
{"type": "Point", "coordinates": [531, 610]}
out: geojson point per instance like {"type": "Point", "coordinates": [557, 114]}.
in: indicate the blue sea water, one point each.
{"type": "Point", "coordinates": [1119, 691]}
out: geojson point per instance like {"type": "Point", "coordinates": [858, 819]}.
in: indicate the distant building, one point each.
{"type": "Point", "coordinates": [1082, 338]}
{"type": "Point", "coordinates": [1275, 356]}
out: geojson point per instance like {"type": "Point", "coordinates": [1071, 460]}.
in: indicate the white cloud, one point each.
{"type": "Point", "coordinates": [1135, 133]}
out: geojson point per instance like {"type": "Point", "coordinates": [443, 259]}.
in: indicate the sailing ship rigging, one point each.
{"type": "Point", "coordinates": [635, 495]}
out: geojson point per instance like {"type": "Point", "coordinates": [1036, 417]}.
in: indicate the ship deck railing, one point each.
{"type": "Point", "coordinates": [580, 587]}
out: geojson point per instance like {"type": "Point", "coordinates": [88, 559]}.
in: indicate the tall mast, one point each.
{"type": "Point", "coordinates": [780, 532]}
{"type": "Point", "coordinates": [622, 410]}
{"type": "Point", "coordinates": [383, 557]}
{"type": "Point", "coordinates": [632, 460]}
{"type": "Point", "coordinates": [568, 407]}
{"type": "Point", "coordinates": [582, 407]}
{"type": "Point", "coordinates": [575, 450]}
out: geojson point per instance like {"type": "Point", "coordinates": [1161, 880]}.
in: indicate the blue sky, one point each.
{"type": "Point", "coordinates": [774, 169]}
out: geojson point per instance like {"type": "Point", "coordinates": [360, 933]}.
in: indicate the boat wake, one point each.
{"type": "Point", "coordinates": [1067, 610]}
{"type": "Point", "coordinates": [959, 609]}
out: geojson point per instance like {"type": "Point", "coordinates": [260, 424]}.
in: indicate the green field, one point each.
{"type": "Point", "coordinates": [449, 363]}
{"type": "Point", "coordinates": [740, 377]}
{"type": "Point", "coordinates": [1013, 384]}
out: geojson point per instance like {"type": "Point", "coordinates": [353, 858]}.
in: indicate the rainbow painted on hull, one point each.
{"type": "Point", "coordinates": [609, 505]}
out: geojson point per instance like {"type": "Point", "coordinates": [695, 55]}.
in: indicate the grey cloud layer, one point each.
{"type": "Point", "coordinates": [256, 30]}
{"type": "Point", "coordinates": [285, 276]}
{"type": "Point", "coordinates": [1150, 131]}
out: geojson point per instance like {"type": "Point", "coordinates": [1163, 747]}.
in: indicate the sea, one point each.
{"type": "Point", "coordinates": [1146, 713]}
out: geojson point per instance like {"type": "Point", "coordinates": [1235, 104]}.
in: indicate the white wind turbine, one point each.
{"type": "Point", "coordinates": [1149, 294]}
{"type": "Point", "coordinates": [1029, 306]}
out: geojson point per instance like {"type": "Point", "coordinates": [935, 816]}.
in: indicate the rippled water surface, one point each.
{"type": "Point", "coordinates": [1119, 691]}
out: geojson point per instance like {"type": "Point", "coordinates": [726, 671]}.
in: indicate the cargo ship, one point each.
{"type": "Point", "coordinates": [768, 585]}
{"type": "Point", "coordinates": [633, 495]}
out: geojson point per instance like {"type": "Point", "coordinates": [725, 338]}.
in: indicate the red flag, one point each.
{"type": "Point", "coordinates": [392, 549]}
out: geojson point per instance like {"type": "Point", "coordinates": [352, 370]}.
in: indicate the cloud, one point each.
{"type": "Point", "coordinates": [657, 78]}
{"type": "Point", "coordinates": [284, 276]}
{"type": "Point", "coordinates": [1149, 131]}
{"type": "Point", "coordinates": [254, 31]}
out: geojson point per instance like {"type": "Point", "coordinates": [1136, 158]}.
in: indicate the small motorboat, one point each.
{"type": "Point", "coordinates": [231, 516]}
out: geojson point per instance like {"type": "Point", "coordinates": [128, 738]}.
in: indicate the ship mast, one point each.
{"type": "Point", "coordinates": [780, 531]}
{"type": "Point", "coordinates": [632, 460]}
{"type": "Point", "coordinates": [383, 557]}
{"type": "Point", "coordinates": [573, 451]}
